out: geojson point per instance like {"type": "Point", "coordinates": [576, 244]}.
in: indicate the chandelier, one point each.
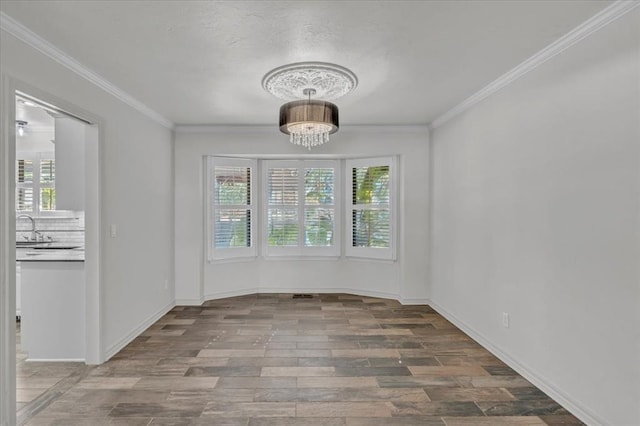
{"type": "Point", "coordinates": [309, 122]}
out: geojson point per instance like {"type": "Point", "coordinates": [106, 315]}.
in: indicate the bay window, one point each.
{"type": "Point", "coordinates": [371, 212]}
{"type": "Point", "coordinates": [300, 208]}
{"type": "Point", "coordinates": [231, 207]}
{"type": "Point", "coordinates": [299, 211]}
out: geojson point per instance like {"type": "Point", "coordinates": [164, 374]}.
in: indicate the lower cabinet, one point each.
{"type": "Point", "coordinates": [53, 310]}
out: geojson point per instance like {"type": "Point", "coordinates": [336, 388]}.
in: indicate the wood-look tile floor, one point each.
{"type": "Point", "coordinates": [272, 360]}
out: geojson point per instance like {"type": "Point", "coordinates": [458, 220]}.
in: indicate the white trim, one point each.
{"type": "Point", "coordinates": [273, 128]}
{"type": "Point", "coordinates": [32, 39]}
{"type": "Point", "coordinates": [94, 292]}
{"type": "Point", "coordinates": [232, 260]}
{"type": "Point", "coordinates": [189, 302]}
{"type": "Point", "coordinates": [332, 290]}
{"type": "Point", "coordinates": [582, 31]}
{"type": "Point", "coordinates": [7, 255]}
{"type": "Point", "coordinates": [286, 258]}
{"type": "Point", "coordinates": [55, 360]}
{"type": "Point", "coordinates": [379, 253]}
{"type": "Point", "coordinates": [224, 128]}
{"type": "Point", "coordinates": [539, 380]}
{"type": "Point", "coordinates": [411, 301]}
{"type": "Point", "coordinates": [233, 293]}
{"type": "Point", "coordinates": [129, 337]}
{"type": "Point", "coordinates": [287, 290]}
{"type": "Point", "coordinates": [212, 253]}
{"type": "Point", "coordinates": [94, 128]}
{"type": "Point", "coordinates": [301, 251]}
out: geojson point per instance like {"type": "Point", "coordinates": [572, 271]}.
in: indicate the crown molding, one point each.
{"type": "Point", "coordinates": [590, 26]}
{"type": "Point", "coordinates": [225, 128]}
{"type": "Point", "coordinates": [273, 128]}
{"type": "Point", "coordinates": [32, 39]}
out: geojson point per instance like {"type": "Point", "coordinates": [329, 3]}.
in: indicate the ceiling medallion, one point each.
{"type": "Point", "coordinates": [309, 122]}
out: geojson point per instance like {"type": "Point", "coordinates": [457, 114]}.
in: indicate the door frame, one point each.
{"type": "Point", "coordinates": [94, 351]}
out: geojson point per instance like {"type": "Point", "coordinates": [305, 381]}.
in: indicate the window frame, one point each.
{"type": "Point", "coordinates": [221, 254]}
{"type": "Point", "coordinates": [36, 186]}
{"type": "Point", "coordinates": [301, 250]}
{"type": "Point", "coordinates": [379, 253]}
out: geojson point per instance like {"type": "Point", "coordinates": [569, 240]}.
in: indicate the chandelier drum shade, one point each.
{"type": "Point", "coordinates": [309, 122]}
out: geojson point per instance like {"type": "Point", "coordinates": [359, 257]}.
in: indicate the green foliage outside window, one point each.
{"type": "Point", "coordinates": [371, 226]}
{"type": "Point", "coordinates": [47, 199]}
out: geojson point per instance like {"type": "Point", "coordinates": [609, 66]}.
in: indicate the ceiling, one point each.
{"type": "Point", "coordinates": [202, 62]}
{"type": "Point", "coordinates": [37, 118]}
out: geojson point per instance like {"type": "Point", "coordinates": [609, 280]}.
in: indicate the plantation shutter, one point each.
{"type": "Point", "coordinates": [300, 210]}
{"type": "Point", "coordinates": [24, 186]}
{"type": "Point", "coordinates": [35, 182]}
{"type": "Point", "coordinates": [371, 208]}
{"type": "Point", "coordinates": [231, 207]}
{"type": "Point", "coordinates": [47, 184]}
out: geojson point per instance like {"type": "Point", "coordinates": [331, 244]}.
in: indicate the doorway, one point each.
{"type": "Point", "coordinates": [15, 197]}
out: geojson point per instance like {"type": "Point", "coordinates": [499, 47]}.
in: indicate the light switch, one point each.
{"type": "Point", "coordinates": [113, 231]}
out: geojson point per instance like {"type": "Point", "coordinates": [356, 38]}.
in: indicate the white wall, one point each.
{"type": "Point", "coordinates": [536, 213]}
{"type": "Point", "coordinates": [70, 165]}
{"type": "Point", "coordinates": [197, 279]}
{"type": "Point", "coordinates": [36, 141]}
{"type": "Point", "coordinates": [136, 159]}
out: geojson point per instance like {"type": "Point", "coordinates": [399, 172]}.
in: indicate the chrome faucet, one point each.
{"type": "Point", "coordinates": [34, 233]}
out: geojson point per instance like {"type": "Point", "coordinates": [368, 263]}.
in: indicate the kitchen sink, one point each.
{"type": "Point", "coordinates": [31, 243]}
{"type": "Point", "coordinates": [46, 245]}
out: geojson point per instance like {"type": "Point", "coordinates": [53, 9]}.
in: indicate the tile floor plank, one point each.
{"type": "Point", "coordinates": [271, 360]}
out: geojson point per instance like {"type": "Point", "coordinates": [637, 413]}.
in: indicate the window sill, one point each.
{"type": "Point", "coordinates": [311, 258]}
{"type": "Point", "coordinates": [232, 260]}
{"type": "Point", "coordinates": [370, 259]}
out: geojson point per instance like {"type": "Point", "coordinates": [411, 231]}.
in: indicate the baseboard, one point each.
{"type": "Point", "coordinates": [271, 290]}
{"type": "Point", "coordinates": [324, 290]}
{"type": "Point", "coordinates": [55, 360]}
{"type": "Point", "coordinates": [117, 347]}
{"type": "Point", "coordinates": [528, 373]}
{"type": "Point", "coordinates": [411, 301]}
{"type": "Point", "coordinates": [234, 293]}
{"type": "Point", "coordinates": [189, 302]}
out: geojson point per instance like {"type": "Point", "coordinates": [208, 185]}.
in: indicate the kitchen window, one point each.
{"type": "Point", "coordinates": [35, 183]}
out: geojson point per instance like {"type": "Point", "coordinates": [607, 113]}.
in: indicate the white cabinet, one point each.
{"type": "Point", "coordinates": [70, 163]}
{"type": "Point", "coordinates": [53, 310]}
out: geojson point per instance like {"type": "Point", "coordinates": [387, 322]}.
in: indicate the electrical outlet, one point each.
{"type": "Point", "coordinates": [505, 320]}
{"type": "Point", "coordinates": [166, 284]}
{"type": "Point", "coordinates": [113, 231]}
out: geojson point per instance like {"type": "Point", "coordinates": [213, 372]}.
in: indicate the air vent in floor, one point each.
{"type": "Point", "coordinates": [303, 296]}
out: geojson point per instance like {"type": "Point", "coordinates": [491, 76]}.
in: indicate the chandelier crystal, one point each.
{"type": "Point", "coordinates": [309, 122]}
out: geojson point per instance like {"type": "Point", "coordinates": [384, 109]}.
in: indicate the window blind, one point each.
{"type": "Point", "coordinates": [370, 216]}
{"type": "Point", "coordinates": [371, 208]}
{"type": "Point", "coordinates": [231, 210]}
{"type": "Point", "coordinates": [300, 207]}
{"type": "Point", "coordinates": [35, 183]}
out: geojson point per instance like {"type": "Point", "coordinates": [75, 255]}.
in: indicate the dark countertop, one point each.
{"type": "Point", "coordinates": [49, 255]}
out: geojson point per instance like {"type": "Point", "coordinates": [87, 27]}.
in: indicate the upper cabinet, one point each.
{"type": "Point", "coordinates": [70, 164]}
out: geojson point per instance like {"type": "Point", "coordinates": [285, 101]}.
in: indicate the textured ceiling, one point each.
{"type": "Point", "coordinates": [202, 62]}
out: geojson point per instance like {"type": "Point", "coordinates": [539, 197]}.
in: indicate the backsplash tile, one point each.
{"type": "Point", "coordinates": [60, 229]}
